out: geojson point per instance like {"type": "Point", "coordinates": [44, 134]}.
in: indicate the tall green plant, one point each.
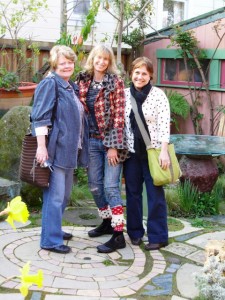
{"type": "Point", "coordinates": [188, 195]}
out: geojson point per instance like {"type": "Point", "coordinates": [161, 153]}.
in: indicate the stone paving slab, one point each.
{"type": "Point", "coordinates": [185, 279]}
{"type": "Point", "coordinates": [11, 296]}
{"type": "Point", "coordinates": [81, 272]}
{"type": "Point", "coordinates": [202, 240]}
{"type": "Point", "coordinates": [180, 249]}
{"type": "Point", "coordinates": [85, 274]}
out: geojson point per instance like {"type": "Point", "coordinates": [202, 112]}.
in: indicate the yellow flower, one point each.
{"type": "Point", "coordinates": [27, 279]}
{"type": "Point", "coordinates": [17, 211]}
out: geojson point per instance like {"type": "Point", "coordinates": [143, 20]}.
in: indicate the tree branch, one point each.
{"type": "Point", "coordinates": [131, 21]}
{"type": "Point", "coordinates": [112, 14]}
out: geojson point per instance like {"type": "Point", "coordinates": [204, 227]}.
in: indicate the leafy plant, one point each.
{"type": "Point", "coordinates": [8, 80]}
{"type": "Point", "coordinates": [188, 195]}
{"type": "Point", "coordinates": [14, 15]}
{"type": "Point", "coordinates": [134, 38]}
{"type": "Point", "coordinates": [211, 281]}
{"type": "Point", "coordinates": [179, 106]}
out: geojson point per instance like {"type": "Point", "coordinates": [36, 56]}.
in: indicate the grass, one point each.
{"type": "Point", "coordinates": [174, 224]}
{"type": "Point", "coordinates": [79, 192]}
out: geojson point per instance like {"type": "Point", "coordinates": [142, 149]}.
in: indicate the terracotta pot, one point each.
{"type": "Point", "coordinates": [9, 99]}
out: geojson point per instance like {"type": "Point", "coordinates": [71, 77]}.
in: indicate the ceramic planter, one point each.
{"type": "Point", "coordinates": [9, 99]}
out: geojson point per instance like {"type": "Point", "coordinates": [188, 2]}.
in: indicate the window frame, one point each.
{"type": "Point", "coordinates": [177, 82]}
{"type": "Point", "coordinates": [216, 71]}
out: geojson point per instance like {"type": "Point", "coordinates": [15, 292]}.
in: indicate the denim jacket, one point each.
{"type": "Point", "coordinates": [64, 122]}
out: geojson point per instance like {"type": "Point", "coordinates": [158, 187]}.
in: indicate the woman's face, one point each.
{"type": "Point", "coordinates": [65, 67]}
{"type": "Point", "coordinates": [101, 62]}
{"type": "Point", "coordinates": [140, 77]}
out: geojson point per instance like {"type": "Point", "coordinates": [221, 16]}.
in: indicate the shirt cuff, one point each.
{"type": "Point", "coordinates": [41, 130]}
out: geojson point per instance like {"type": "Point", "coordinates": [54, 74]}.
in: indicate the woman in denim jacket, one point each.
{"type": "Point", "coordinates": [58, 113]}
{"type": "Point", "coordinates": [102, 93]}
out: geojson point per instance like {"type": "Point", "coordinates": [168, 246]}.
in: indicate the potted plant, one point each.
{"type": "Point", "coordinates": [17, 54]}
{"type": "Point", "coordinates": [179, 107]}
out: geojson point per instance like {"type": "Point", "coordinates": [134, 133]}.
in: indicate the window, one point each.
{"type": "Point", "coordinates": [173, 12]}
{"type": "Point", "coordinates": [81, 7]}
{"type": "Point", "coordinates": [174, 72]}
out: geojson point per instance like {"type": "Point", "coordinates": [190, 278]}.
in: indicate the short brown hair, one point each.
{"type": "Point", "coordinates": [58, 50]}
{"type": "Point", "coordinates": [142, 61]}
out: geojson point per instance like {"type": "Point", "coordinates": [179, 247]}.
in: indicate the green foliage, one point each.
{"type": "Point", "coordinates": [179, 106]}
{"type": "Point", "coordinates": [188, 45]}
{"type": "Point", "coordinates": [79, 192]}
{"type": "Point", "coordinates": [188, 195]}
{"type": "Point", "coordinates": [81, 176]}
{"type": "Point", "coordinates": [184, 199]}
{"type": "Point", "coordinates": [13, 126]}
{"type": "Point", "coordinates": [198, 222]}
{"type": "Point", "coordinates": [108, 262]}
{"type": "Point", "coordinates": [14, 15]}
{"type": "Point", "coordinates": [8, 80]}
{"type": "Point", "coordinates": [90, 19]}
{"type": "Point", "coordinates": [134, 38]}
{"type": "Point", "coordinates": [174, 224]}
{"type": "Point", "coordinates": [32, 196]}
{"type": "Point", "coordinates": [65, 39]}
{"type": "Point", "coordinates": [206, 204]}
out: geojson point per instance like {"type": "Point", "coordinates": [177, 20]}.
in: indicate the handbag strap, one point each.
{"type": "Point", "coordinates": [140, 123]}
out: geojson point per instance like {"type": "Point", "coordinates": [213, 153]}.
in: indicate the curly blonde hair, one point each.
{"type": "Point", "coordinates": [105, 50]}
{"type": "Point", "coordinates": [58, 50]}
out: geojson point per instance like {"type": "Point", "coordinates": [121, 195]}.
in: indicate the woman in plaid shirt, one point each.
{"type": "Point", "coordinates": [101, 91]}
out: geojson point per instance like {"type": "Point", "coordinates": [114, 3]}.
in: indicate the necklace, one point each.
{"type": "Point", "coordinates": [96, 84]}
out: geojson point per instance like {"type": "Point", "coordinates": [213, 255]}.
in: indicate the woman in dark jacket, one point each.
{"type": "Point", "coordinates": [102, 93]}
{"type": "Point", "coordinates": [58, 113]}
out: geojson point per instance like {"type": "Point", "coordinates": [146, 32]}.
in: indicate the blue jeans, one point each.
{"type": "Point", "coordinates": [55, 200]}
{"type": "Point", "coordinates": [103, 180]}
{"type": "Point", "coordinates": [136, 172]}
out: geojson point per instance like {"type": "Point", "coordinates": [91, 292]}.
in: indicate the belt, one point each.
{"type": "Point", "coordinates": [95, 136]}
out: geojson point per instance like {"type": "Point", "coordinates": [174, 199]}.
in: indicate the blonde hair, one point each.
{"type": "Point", "coordinates": [142, 61]}
{"type": "Point", "coordinates": [59, 50]}
{"type": "Point", "coordinates": [101, 49]}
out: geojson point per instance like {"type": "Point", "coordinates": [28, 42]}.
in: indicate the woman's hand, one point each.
{"type": "Point", "coordinates": [112, 156]}
{"type": "Point", "coordinates": [164, 159]}
{"type": "Point", "coordinates": [42, 152]}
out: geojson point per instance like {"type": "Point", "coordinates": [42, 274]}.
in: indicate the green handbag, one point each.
{"type": "Point", "coordinates": [159, 176]}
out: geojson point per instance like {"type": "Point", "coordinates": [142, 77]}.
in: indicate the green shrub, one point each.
{"type": "Point", "coordinates": [184, 200]}
{"type": "Point", "coordinates": [31, 195]}
{"type": "Point", "coordinates": [81, 176]}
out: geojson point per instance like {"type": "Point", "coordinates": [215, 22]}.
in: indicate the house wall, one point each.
{"type": "Point", "coordinates": [47, 28]}
{"type": "Point", "coordinates": [207, 39]}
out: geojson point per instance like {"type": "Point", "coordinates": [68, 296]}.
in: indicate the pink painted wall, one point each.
{"type": "Point", "coordinates": [208, 39]}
